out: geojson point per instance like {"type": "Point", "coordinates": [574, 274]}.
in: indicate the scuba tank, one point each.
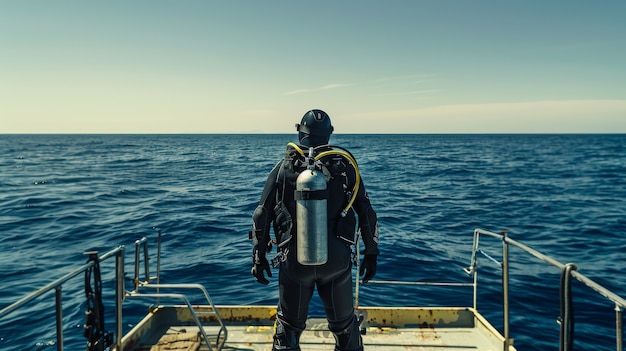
{"type": "Point", "coordinates": [311, 215]}
{"type": "Point", "coordinates": [311, 195]}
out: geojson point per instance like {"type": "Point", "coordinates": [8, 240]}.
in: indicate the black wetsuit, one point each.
{"type": "Point", "coordinates": [332, 279]}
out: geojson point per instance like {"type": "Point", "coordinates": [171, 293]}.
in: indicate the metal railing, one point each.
{"type": "Point", "coordinates": [222, 334]}
{"type": "Point", "coordinates": [57, 286]}
{"type": "Point", "coordinates": [566, 318]}
{"type": "Point", "coordinates": [141, 250]}
{"type": "Point", "coordinates": [567, 271]}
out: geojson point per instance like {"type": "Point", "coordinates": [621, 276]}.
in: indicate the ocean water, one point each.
{"type": "Point", "coordinates": [564, 195]}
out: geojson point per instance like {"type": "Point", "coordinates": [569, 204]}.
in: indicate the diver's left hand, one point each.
{"type": "Point", "coordinates": [260, 265]}
{"type": "Point", "coordinates": [368, 267]}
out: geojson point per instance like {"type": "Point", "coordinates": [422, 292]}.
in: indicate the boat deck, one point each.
{"type": "Point", "coordinates": [251, 328]}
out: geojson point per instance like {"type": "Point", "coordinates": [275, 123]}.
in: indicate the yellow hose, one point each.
{"type": "Point", "coordinates": [293, 145]}
{"type": "Point", "coordinates": [355, 189]}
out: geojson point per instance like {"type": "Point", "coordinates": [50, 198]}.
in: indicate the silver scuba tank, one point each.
{"type": "Point", "coordinates": [311, 217]}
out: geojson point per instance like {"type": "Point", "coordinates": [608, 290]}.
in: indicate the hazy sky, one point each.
{"type": "Point", "coordinates": [234, 66]}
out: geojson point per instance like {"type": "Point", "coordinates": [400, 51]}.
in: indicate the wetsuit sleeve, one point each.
{"type": "Point", "coordinates": [263, 214]}
{"type": "Point", "coordinates": [368, 221]}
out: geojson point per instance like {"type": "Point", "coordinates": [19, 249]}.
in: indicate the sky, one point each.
{"type": "Point", "coordinates": [235, 66]}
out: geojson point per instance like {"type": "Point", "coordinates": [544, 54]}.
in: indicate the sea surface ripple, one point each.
{"type": "Point", "coordinates": [563, 195]}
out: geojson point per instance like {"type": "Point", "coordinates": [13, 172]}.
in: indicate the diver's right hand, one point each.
{"type": "Point", "coordinates": [260, 265]}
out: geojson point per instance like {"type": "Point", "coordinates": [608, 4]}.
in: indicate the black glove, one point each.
{"type": "Point", "coordinates": [259, 265]}
{"type": "Point", "coordinates": [368, 267]}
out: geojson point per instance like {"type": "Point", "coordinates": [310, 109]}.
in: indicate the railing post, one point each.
{"type": "Point", "coordinates": [158, 268]}
{"type": "Point", "coordinates": [137, 243]}
{"type": "Point", "coordinates": [505, 287]}
{"type": "Point", "coordinates": [146, 262]}
{"type": "Point", "coordinates": [59, 316]}
{"type": "Point", "coordinates": [119, 297]}
{"type": "Point", "coordinates": [475, 283]}
{"type": "Point", "coordinates": [618, 327]}
{"type": "Point", "coordinates": [472, 268]}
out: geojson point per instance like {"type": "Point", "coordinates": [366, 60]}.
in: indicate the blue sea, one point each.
{"type": "Point", "coordinates": [564, 195]}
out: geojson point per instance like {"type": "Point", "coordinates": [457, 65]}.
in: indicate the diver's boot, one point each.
{"type": "Point", "coordinates": [286, 337]}
{"type": "Point", "coordinates": [349, 337]}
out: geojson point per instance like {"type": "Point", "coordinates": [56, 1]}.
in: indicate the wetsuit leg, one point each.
{"type": "Point", "coordinates": [293, 307]}
{"type": "Point", "coordinates": [296, 285]}
{"type": "Point", "coordinates": [337, 298]}
{"type": "Point", "coordinates": [349, 338]}
{"type": "Point", "coordinates": [287, 336]}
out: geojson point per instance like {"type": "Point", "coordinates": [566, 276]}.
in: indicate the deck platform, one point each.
{"type": "Point", "coordinates": [252, 327]}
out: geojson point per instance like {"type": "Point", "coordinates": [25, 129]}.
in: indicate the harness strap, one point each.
{"type": "Point", "coordinates": [311, 194]}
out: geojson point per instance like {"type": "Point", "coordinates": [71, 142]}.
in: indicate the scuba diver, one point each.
{"type": "Point", "coordinates": [310, 199]}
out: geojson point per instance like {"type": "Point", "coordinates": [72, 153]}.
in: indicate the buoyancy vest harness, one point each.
{"type": "Point", "coordinates": [337, 150]}
{"type": "Point", "coordinates": [311, 196]}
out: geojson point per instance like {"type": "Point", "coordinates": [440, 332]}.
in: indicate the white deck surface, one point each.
{"type": "Point", "coordinates": [375, 339]}
{"type": "Point", "coordinates": [385, 329]}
